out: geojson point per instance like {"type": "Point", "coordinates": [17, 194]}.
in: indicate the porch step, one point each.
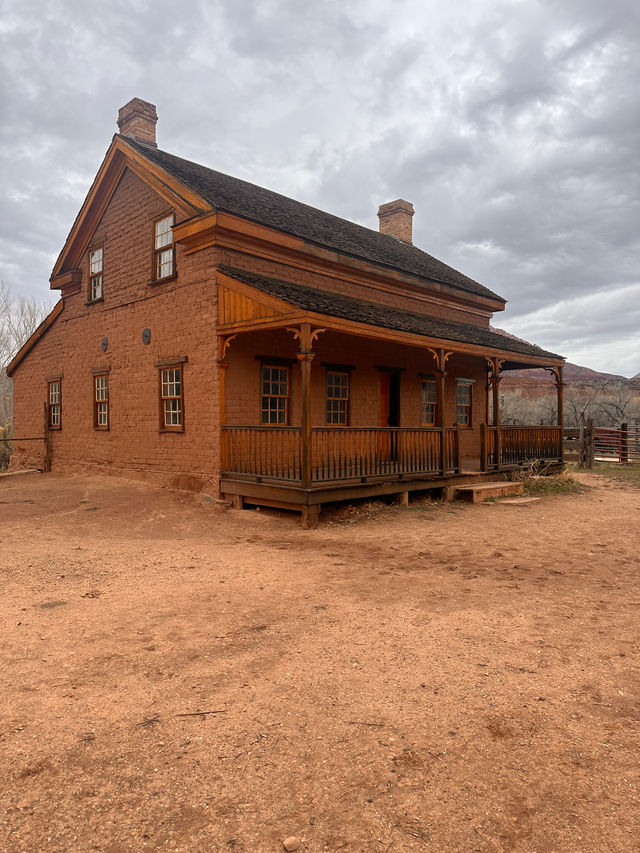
{"type": "Point", "coordinates": [481, 491]}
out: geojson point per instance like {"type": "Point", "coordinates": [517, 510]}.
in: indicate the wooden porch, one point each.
{"type": "Point", "coordinates": [389, 440]}
{"type": "Point", "coordinates": [275, 466]}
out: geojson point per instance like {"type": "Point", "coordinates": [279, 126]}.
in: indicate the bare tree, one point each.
{"type": "Point", "coordinates": [618, 406]}
{"type": "Point", "coordinates": [19, 318]}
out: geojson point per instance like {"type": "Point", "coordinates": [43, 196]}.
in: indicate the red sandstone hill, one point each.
{"type": "Point", "coordinates": [573, 373]}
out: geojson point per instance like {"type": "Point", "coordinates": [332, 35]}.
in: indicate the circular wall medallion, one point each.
{"type": "Point", "coordinates": [146, 336]}
{"type": "Point", "coordinates": [104, 344]}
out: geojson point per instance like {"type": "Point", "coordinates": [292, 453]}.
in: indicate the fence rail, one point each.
{"type": "Point", "coordinates": [613, 444]}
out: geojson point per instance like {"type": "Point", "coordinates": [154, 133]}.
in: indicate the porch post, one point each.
{"type": "Point", "coordinates": [305, 357]}
{"type": "Point", "coordinates": [443, 427]}
{"type": "Point", "coordinates": [495, 387]}
{"type": "Point", "coordinates": [222, 385]}
{"type": "Point", "coordinates": [560, 390]}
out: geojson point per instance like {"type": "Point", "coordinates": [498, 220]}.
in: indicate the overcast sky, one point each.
{"type": "Point", "coordinates": [512, 125]}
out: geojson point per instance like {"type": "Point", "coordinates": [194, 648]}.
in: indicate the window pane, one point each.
{"type": "Point", "coordinates": [164, 232]}
{"type": "Point", "coordinates": [101, 387]}
{"type": "Point", "coordinates": [96, 287]}
{"type": "Point", "coordinates": [95, 261]}
{"type": "Point", "coordinates": [173, 412]}
{"type": "Point", "coordinates": [164, 263]}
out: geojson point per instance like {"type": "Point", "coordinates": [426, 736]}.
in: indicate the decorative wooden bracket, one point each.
{"type": "Point", "coordinates": [306, 336]}
{"type": "Point", "coordinates": [225, 343]}
{"type": "Point", "coordinates": [557, 372]}
{"type": "Point", "coordinates": [495, 366]}
{"type": "Point", "coordinates": [440, 357]}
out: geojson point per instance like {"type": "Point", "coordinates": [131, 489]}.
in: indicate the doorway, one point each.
{"type": "Point", "coordinates": [389, 398]}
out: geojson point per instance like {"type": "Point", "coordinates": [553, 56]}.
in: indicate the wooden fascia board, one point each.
{"type": "Point", "coordinates": [197, 233]}
{"type": "Point", "coordinates": [35, 337]}
{"type": "Point", "coordinates": [86, 221]}
{"type": "Point", "coordinates": [120, 156]}
{"type": "Point", "coordinates": [163, 178]}
{"type": "Point", "coordinates": [351, 327]}
{"type": "Point", "coordinates": [246, 236]}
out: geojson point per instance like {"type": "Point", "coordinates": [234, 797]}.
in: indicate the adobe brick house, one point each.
{"type": "Point", "coordinates": [218, 334]}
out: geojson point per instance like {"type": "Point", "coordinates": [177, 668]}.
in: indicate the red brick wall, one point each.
{"type": "Point", "coordinates": [181, 315]}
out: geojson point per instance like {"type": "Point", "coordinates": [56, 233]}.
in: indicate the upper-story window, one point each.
{"type": "Point", "coordinates": [163, 255]}
{"type": "Point", "coordinates": [95, 275]}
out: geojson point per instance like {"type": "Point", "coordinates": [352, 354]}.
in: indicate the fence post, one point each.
{"type": "Point", "coordinates": [589, 441]}
{"type": "Point", "coordinates": [624, 443]}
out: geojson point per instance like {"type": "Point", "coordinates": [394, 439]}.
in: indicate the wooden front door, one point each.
{"type": "Point", "coordinates": [389, 398]}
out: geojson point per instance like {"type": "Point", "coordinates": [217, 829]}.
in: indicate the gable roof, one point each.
{"type": "Point", "coordinates": [269, 208]}
{"type": "Point", "coordinates": [373, 314]}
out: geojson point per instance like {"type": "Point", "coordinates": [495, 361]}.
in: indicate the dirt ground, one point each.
{"type": "Point", "coordinates": [446, 677]}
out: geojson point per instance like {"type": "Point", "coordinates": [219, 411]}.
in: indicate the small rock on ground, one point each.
{"type": "Point", "coordinates": [291, 843]}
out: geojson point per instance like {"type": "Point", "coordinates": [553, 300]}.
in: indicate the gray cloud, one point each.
{"type": "Point", "coordinates": [513, 128]}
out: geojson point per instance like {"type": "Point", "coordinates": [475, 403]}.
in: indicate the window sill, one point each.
{"type": "Point", "coordinates": [156, 281]}
{"type": "Point", "coordinates": [172, 431]}
{"type": "Point", "coordinates": [94, 301]}
{"type": "Point", "coordinates": [100, 429]}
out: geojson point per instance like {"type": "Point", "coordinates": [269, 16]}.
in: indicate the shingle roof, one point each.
{"type": "Point", "coordinates": [374, 314]}
{"type": "Point", "coordinates": [300, 220]}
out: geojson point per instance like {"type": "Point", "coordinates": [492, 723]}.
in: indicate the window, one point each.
{"type": "Point", "coordinates": [171, 398]}
{"type": "Point", "coordinates": [95, 275]}
{"type": "Point", "coordinates": [463, 401]}
{"type": "Point", "coordinates": [337, 399]}
{"type": "Point", "coordinates": [163, 248]}
{"type": "Point", "coordinates": [274, 394]}
{"type": "Point", "coordinates": [428, 402]}
{"type": "Point", "coordinates": [55, 404]}
{"type": "Point", "coordinates": [101, 401]}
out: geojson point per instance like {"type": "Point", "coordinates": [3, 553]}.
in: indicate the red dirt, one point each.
{"type": "Point", "coordinates": [442, 678]}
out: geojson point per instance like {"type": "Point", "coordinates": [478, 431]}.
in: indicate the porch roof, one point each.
{"type": "Point", "coordinates": [373, 314]}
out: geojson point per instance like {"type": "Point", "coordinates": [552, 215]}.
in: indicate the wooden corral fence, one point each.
{"type": "Point", "coordinates": [588, 444]}
{"type": "Point", "coordinates": [613, 444]}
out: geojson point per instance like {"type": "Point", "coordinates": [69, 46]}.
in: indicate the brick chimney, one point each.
{"type": "Point", "coordinates": [395, 219]}
{"type": "Point", "coordinates": [138, 119]}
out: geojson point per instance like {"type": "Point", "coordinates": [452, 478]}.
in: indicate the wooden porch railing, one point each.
{"type": "Point", "coordinates": [262, 451]}
{"type": "Point", "coordinates": [338, 453]}
{"type": "Point", "coordinates": [519, 444]}
{"type": "Point", "coordinates": [350, 452]}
